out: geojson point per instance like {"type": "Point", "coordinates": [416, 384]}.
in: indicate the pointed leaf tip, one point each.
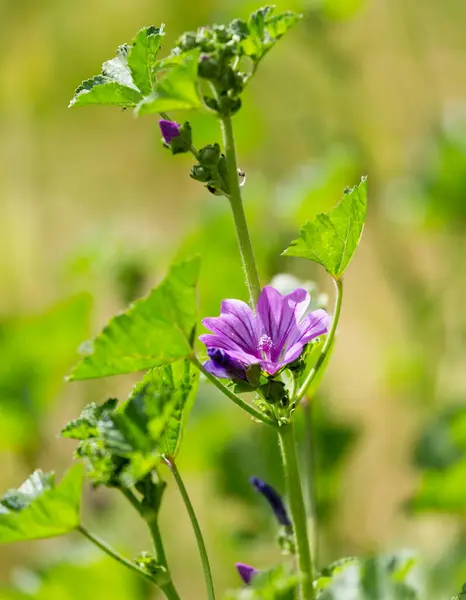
{"type": "Point", "coordinates": [153, 331]}
{"type": "Point", "coordinates": [331, 238]}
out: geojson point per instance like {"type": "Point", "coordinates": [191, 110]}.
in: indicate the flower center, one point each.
{"type": "Point", "coordinates": [265, 345]}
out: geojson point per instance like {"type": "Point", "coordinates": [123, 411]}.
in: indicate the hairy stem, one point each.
{"type": "Point", "coordinates": [244, 240]}
{"type": "Point", "coordinates": [195, 525]}
{"type": "Point", "coordinates": [113, 553]}
{"type": "Point", "coordinates": [328, 342]}
{"type": "Point", "coordinates": [298, 511]}
{"type": "Point", "coordinates": [232, 396]}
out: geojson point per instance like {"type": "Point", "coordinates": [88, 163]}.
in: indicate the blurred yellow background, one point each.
{"type": "Point", "coordinates": [92, 209]}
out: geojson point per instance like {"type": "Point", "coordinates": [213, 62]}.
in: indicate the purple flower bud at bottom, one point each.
{"type": "Point", "coordinates": [274, 499]}
{"type": "Point", "coordinates": [246, 572]}
{"type": "Point", "coordinates": [169, 130]}
{"type": "Point", "coordinates": [222, 365]}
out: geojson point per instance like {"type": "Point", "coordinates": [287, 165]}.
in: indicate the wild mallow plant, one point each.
{"type": "Point", "coordinates": [266, 356]}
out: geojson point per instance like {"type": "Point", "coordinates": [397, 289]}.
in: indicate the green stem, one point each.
{"type": "Point", "coordinates": [244, 241]}
{"type": "Point", "coordinates": [232, 396]}
{"type": "Point", "coordinates": [311, 478]}
{"type": "Point", "coordinates": [113, 553]}
{"type": "Point", "coordinates": [152, 522]}
{"type": "Point", "coordinates": [298, 511]}
{"type": "Point", "coordinates": [129, 495]}
{"type": "Point", "coordinates": [168, 588]}
{"type": "Point", "coordinates": [195, 525]}
{"type": "Point", "coordinates": [328, 342]}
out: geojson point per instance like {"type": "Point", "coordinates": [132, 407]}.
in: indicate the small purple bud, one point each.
{"type": "Point", "coordinates": [273, 498]}
{"type": "Point", "coordinates": [246, 572]}
{"type": "Point", "coordinates": [169, 129]}
{"type": "Point", "coordinates": [221, 364]}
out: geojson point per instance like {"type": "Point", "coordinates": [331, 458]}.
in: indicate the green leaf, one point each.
{"type": "Point", "coordinates": [155, 330]}
{"type": "Point", "coordinates": [122, 444]}
{"type": "Point", "coordinates": [41, 509]}
{"type": "Point", "coordinates": [142, 57]}
{"type": "Point", "coordinates": [114, 86]}
{"type": "Point", "coordinates": [187, 383]}
{"type": "Point", "coordinates": [102, 90]}
{"type": "Point", "coordinates": [117, 68]}
{"type": "Point", "coordinates": [331, 238]}
{"type": "Point", "coordinates": [391, 577]}
{"type": "Point", "coordinates": [177, 90]}
{"type": "Point", "coordinates": [265, 30]}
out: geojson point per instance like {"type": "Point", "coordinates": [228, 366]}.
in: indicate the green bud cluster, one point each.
{"type": "Point", "coordinates": [212, 170]}
{"type": "Point", "coordinates": [222, 47]}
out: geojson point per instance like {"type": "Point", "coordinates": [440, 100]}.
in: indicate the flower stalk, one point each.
{"type": "Point", "coordinates": [328, 342]}
{"type": "Point", "coordinates": [298, 511]}
{"type": "Point", "coordinates": [236, 202]}
{"type": "Point", "coordinates": [232, 396]}
{"type": "Point", "coordinates": [195, 525]}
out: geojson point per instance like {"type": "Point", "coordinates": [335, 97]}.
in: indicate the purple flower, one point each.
{"type": "Point", "coordinates": [274, 499]}
{"type": "Point", "coordinates": [273, 337]}
{"type": "Point", "coordinates": [169, 130]}
{"type": "Point", "coordinates": [246, 572]}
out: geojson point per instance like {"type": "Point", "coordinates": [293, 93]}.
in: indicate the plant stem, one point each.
{"type": "Point", "coordinates": [129, 495]}
{"type": "Point", "coordinates": [195, 525]}
{"type": "Point", "coordinates": [311, 477]}
{"type": "Point", "coordinates": [232, 396]}
{"type": "Point", "coordinates": [113, 553]}
{"type": "Point", "coordinates": [298, 511]}
{"type": "Point", "coordinates": [168, 588]}
{"type": "Point", "coordinates": [152, 522]}
{"type": "Point", "coordinates": [244, 240]}
{"type": "Point", "coordinates": [328, 342]}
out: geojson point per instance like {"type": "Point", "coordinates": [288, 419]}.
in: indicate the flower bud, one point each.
{"type": "Point", "coordinates": [209, 68]}
{"type": "Point", "coordinates": [176, 137]}
{"type": "Point", "coordinates": [274, 499]}
{"type": "Point", "coordinates": [209, 155]}
{"type": "Point", "coordinates": [188, 41]}
{"type": "Point", "coordinates": [169, 130]}
{"type": "Point", "coordinates": [201, 173]}
{"type": "Point", "coordinates": [246, 572]}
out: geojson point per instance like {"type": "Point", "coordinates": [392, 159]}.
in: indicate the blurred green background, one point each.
{"type": "Point", "coordinates": [93, 209]}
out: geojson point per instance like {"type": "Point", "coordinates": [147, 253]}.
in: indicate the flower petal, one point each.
{"type": "Point", "coordinates": [237, 324]}
{"type": "Point", "coordinates": [280, 315]}
{"type": "Point", "coordinates": [224, 343]}
{"type": "Point", "coordinates": [315, 324]}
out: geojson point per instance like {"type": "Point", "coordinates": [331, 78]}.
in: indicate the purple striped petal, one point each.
{"type": "Point", "coordinates": [280, 315]}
